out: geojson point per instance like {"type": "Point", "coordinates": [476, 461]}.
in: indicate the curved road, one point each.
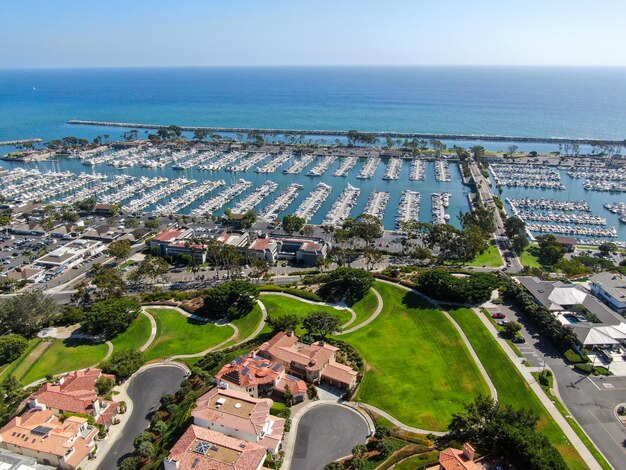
{"type": "Point", "coordinates": [145, 390]}
{"type": "Point", "coordinates": [326, 433]}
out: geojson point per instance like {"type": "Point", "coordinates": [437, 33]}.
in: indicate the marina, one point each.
{"type": "Point", "coordinates": [526, 176]}
{"type": "Point", "coordinates": [369, 168]}
{"type": "Point", "coordinates": [347, 164]}
{"type": "Point", "coordinates": [224, 161]}
{"type": "Point", "coordinates": [549, 204]}
{"type": "Point", "coordinates": [220, 200]}
{"type": "Point", "coordinates": [300, 164]}
{"type": "Point", "coordinates": [309, 207]}
{"type": "Point", "coordinates": [442, 170]}
{"type": "Point", "coordinates": [394, 167]}
{"type": "Point", "coordinates": [177, 204]}
{"type": "Point", "coordinates": [418, 170]}
{"type": "Point", "coordinates": [274, 163]}
{"type": "Point", "coordinates": [342, 208]}
{"type": "Point", "coordinates": [280, 203]}
{"type": "Point", "coordinates": [409, 208]}
{"type": "Point", "coordinates": [618, 208]}
{"type": "Point", "coordinates": [249, 161]}
{"type": "Point", "coordinates": [152, 197]}
{"type": "Point", "coordinates": [377, 204]}
{"type": "Point", "coordinates": [323, 165]}
{"type": "Point", "coordinates": [439, 202]}
{"type": "Point", "coordinates": [255, 197]}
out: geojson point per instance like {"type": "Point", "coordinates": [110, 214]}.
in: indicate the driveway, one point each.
{"type": "Point", "coordinates": [591, 400]}
{"type": "Point", "coordinates": [327, 433]}
{"type": "Point", "coordinates": [145, 391]}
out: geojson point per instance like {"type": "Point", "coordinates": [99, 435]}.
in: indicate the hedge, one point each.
{"type": "Point", "coordinates": [574, 358]}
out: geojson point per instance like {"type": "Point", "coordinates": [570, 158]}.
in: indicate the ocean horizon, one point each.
{"type": "Point", "coordinates": [513, 100]}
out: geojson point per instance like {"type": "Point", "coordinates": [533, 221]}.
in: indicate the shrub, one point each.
{"type": "Point", "coordinates": [601, 370]}
{"type": "Point", "coordinates": [586, 368]}
{"type": "Point", "coordinates": [111, 317]}
{"type": "Point", "coordinates": [574, 358]}
{"type": "Point", "coordinates": [123, 364]}
{"type": "Point", "coordinates": [347, 284]}
{"type": "Point", "coordinates": [442, 285]}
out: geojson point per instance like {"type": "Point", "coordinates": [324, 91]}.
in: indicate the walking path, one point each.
{"type": "Point", "coordinates": [338, 306]}
{"type": "Point", "coordinates": [258, 329]}
{"type": "Point", "coordinates": [153, 330]}
{"type": "Point", "coordinates": [372, 317]}
{"type": "Point", "coordinates": [396, 422]}
{"type": "Point", "coordinates": [547, 403]}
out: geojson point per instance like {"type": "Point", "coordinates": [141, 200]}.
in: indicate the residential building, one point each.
{"type": "Point", "coordinates": [611, 289]}
{"type": "Point", "coordinates": [76, 392]}
{"type": "Point", "coordinates": [455, 459]}
{"type": "Point", "coordinates": [312, 362]}
{"type": "Point", "coordinates": [241, 416]}
{"type": "Point", "coordinates": [13, 461]}
{"type": "Point", "coordinates": [260, 377]}
{"type": "Point", "coordinates": [43, 436]}
{"type": "Point", "coordinates": [199, 448]}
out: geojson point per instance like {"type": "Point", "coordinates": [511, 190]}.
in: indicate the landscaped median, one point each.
{"type": "Point", "coordinates": [512, 388]}
{"type": "Point", "coordinates": [418, 368]}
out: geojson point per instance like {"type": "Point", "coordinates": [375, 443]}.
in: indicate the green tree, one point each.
{"type": "Point", "coordinates": [104, 385]}
{"type": "Point", "coordinates": [288, 396]}
{"type": "Point", "coordinates": [123, 364]}
{"type": "Point", "coordinates": [384, 448]}
{"type": "Point", "coordinates": [607, 248]}
{"type": "Point", "coordinates": [359, 450]}
{"type": "Point", "coordinates": [11, 347]}
{"type": "Point", "coordinates": [154, 224]}
{"type": "Point", "coordinates": [550, 251]}
{"type": "Point", "coordinates": [108, 281]}
{"type": "Point", "coordinates": [111, 317]}
{"type": "Point", "coordinates": [292, 224]}
{"type": "Point", "coordinates": [232, 299]}
{"type": "Point", "coordinates": [248, 219]}
{"type": "Point", "coordinates": [321, 324]}
{"type": "Point", "coordinates": [26, 313]}
{"type": "Point", "coordinates": [510, 329]}
{"type": "Point", "coordinates": [119, 249]}
{"type": "Point", "coordinates": [347, 283]}
{"type": "Point", "coordinates": [515, 229]}
{"type": "Point", "coordinates": [311, 392]}
{"type": "Point", "coordinates": [366, 227]}
{"type": "Point", "coordinates": [151, 268]}
{"type": "Point", "coordinates": [287, 322]}
{"type": "Point", "coordinates": [334, 466]}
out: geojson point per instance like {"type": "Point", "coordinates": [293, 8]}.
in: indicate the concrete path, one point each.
{"type": "Point", "coordinates": [547, 403]}
{"type": "Point", "coordinates": [372, 317]}
{"type": "Point", "coordinates": [153, 330]}
{"type": "Point", "coordinates": [397, 422]}
{"type": "Point", "coordinates": [258, 329]}
{"type": "Point", "coordinates": [338, 306]}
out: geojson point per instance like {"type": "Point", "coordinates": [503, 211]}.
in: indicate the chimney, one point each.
{"type": "Point", "coordinates": [469, 452]}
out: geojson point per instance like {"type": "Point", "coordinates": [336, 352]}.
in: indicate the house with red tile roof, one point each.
{"type": "Point", "coordinates": [76, 392]}
{"type": "Point", "coordinates": [176, 241]}
{"type": "Point", "coordinates": [455, 459]}
{"type": "Point", "coordinates": [312, 362]}
{"type": "Point", "coordinates": [204, 449]}
{"type": "Point", "coordinates": [241, 416]}
{"type": "Point", "coordinates": [260, 377]}
{"type": "Point", "coordinates": [42, 435]}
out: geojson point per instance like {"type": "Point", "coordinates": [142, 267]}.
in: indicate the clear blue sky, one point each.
{"type": "Point", "coordinates": [87, 33]}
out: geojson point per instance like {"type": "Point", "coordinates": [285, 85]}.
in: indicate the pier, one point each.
{"type": "Point", "coordinates": [346, 166]}
{"type": "Point", "coordinates": [280, 203]}
{"type": "Point", "coordinates": [313, 202]}
{"type": "Point", "coordinates": [379, 134]}
{"type": "Point", "coordinates": [343, 206]}
{"type": "Point", "coordinates": [376, 204]}
{"type": "Point", "coordinates": [409, 208]}
{"type": "Point", "coordinates": [20, 142]}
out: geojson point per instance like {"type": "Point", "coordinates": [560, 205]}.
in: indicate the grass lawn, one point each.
{"type": "Point", "coordinates": [64, 356]}
{"type": "Point", "coordinates": [490, 258]}
{"type": "Point", "coordinates": [178, 334]}
{"type": "Point", "coordinates": [512, 388]}
{"type": "Point", "coordinates": [412, 350]}
{"type": "Point", "coordinates": [248, 323]}
{"type": "Point", "coordinates": [364, 308]}
{"type": "Point", "coordinates": [135, 336]}
{"type": "Point", "coordinates": [529, 257]}
{"type": "Point", "coordinates": [278, 305]}
{"type": "Point", "coordinates": [419, 461]}
{"type": "Point", "coordinates": [12, 367]}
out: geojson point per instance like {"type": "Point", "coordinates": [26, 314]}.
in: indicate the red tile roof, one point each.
{"type": "Point", "coordinates": [228, 454]}
{"type": "Point", "coordinates": [169, 234]}
{"type": "Point", "coordinates": [455, 459]}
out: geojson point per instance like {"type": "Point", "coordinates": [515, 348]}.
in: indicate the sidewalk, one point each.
{"type": "Point", "coordinates": [547, 403]}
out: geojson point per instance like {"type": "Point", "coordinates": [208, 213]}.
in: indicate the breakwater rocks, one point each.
{"type": "Point", "coordinates": [400, 135]}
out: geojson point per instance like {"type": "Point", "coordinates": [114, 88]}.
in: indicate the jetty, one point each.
{"type": "Point", "coordinates": [20, 142]}
{"type": "Point", "coordinates": [379, 134]}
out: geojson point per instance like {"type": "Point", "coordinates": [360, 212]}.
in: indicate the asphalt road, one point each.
{"type": "Point", "coordinates": [327, 433]}
{"type": "Point", "coordinates": [591, 400]}
{"type": "Point", "coordinates": [145, 391]}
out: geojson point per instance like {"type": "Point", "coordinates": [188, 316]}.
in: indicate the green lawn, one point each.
{"type": "Point", "coordinates": [512, 388]}
{"type": "Point", "coordinates": [529, 257]}
{"type": "Point", "coordinates": [419, 461]}
{"type": "Point", "coordinates": [490, 258]}
{"type": "Point", "coordinates": [419, 370]}
{"type": "Point", "coordinates": [177, 334]}
{"type": "Point", "coordinates": [32, 350]}
{"type": "Point", "coordinates": [248, 323]}
{"type": "Point", "coordinates": [64, 356]}
{"type": "Point", "coordinates": [364, 308]}
{"type": "Point", "coordinates": [278, 305]}
{"type": "Point", "coordinates": [135, 336]}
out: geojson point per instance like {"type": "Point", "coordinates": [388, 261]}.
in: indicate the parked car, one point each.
{"type": "Point", "coordinates": [518, 340]}
{"type": "Point", "coordinates": [503, 322]}
{"type": "Point", "coordinates": [498, 315]}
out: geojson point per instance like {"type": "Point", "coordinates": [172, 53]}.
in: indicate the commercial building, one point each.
{"type": "Point", "coordinates": [300, 251]}
{"type": "Point", "coordinates": [241, 416]}
{"type": "Point", "coordinates": [176, 241]}
{"type": "Point", "coordinates": [312, 362]}
{"type": "Point", "coordinates": [611, 289]}
{"type": "Point", "coordinates": [71, 253]}
{"type": "Point", "coordinates": [200, 448]}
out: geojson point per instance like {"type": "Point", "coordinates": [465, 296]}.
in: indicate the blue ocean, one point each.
{"type": "Point", "coordinates": [527, 101]}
